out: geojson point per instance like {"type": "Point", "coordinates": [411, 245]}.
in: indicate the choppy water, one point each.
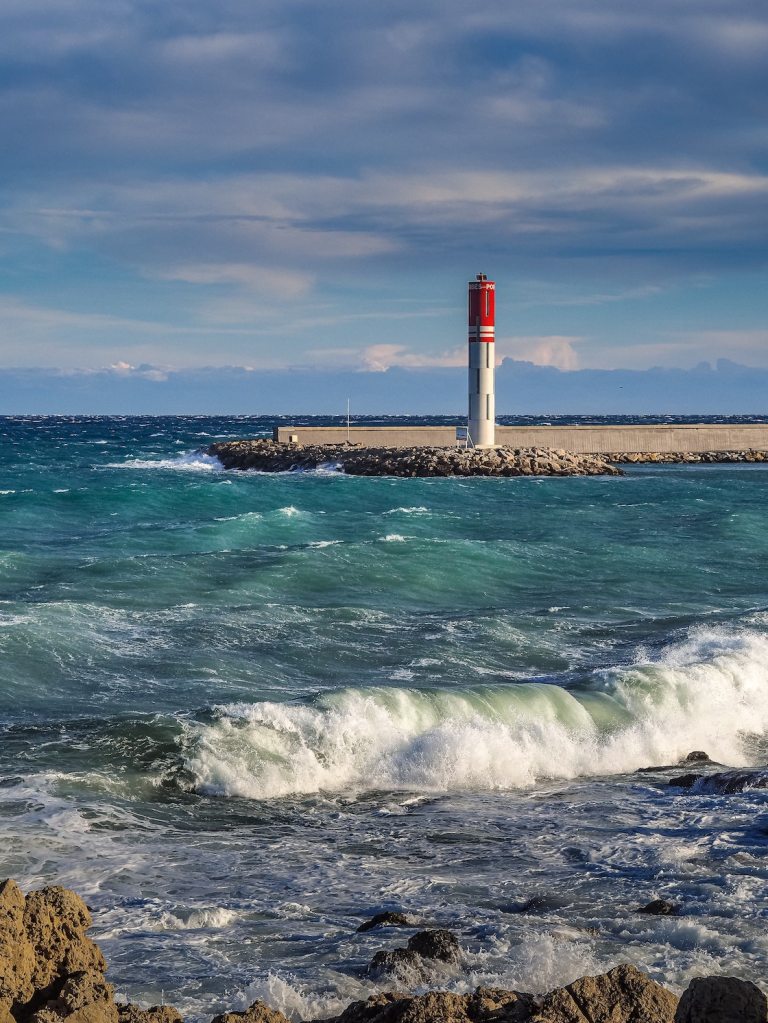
{"type": "Point", "coordinates": [240, 713]}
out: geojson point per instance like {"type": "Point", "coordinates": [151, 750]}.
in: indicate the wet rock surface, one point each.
{"type": "Point", "coordinates": [724, 782]}
{"type": "Point", "coordinates": [271, 456]}
{"type": "Point", "coordinates": [659, 907]}
{"type": "Point", "coordinates": [388, 919]}
{"type": "Point", "coordinates": [722, 1000]}
{"type": "Point", "coordinates": [51, 971]}
{"type": "Point", "coordinates": [437, 945]}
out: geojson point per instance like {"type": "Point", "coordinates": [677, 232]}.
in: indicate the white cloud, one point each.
{"type": "Point", "coordinates": [381, 357]}
{"type": "Point", "coordinates": [268, 280]}
{"type": "Point", "coordinates": [544, 350]}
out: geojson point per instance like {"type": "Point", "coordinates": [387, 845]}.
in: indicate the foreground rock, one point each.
{"type": "Point", "coordinates": [483, 1006]}
{"type": "Point", "coordinates": [51, 971]}
{"type": "Point", "coordinates": [623, 995]}
{"type": "Point", "coordinates": [722, 1000]}
{"type": "Point", "coordinates": [272, 456]}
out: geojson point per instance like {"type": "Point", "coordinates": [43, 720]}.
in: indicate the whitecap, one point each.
{"type": "Point", "coordinates": [193, 462]}
{"type": "Point", "coordinates": [417, 510]}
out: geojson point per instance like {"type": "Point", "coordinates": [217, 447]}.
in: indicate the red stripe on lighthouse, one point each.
{"type": "Point", "coordinates": [482, 310]}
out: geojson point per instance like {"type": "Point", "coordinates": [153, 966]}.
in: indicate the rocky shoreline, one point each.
{"type": "Point", "coordinates": [52, 972]}
{"type": "Point", "coordinates": [273, 456]}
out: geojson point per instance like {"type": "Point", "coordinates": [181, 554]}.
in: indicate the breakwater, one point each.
{"type": "Point", "coordinates": [271, 456]}
{"type": "Point", "coordinates": [581, 439]}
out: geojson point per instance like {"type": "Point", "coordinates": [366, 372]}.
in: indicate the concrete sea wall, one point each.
{"type": "Point", "coordinates": [693, 437]}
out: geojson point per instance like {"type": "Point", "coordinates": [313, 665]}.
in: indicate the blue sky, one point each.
{"type": "Point", "coordinates": [304, 184]}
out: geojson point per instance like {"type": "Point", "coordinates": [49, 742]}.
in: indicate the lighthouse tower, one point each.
{"type": "Point", "coordinates": [481, 422]}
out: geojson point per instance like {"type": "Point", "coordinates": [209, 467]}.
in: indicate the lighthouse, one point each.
{"type": "Point", "coordinates": [481, 422]}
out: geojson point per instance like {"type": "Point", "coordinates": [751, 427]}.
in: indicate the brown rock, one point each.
{"type": "Point", "coordinates": [84, 998]}
{"type": "Point", "coordinates": [55, 922]}
{"type": "Point", "coordinates": [623, 995]}
{"type": "Point", "coordinates": [722, 1000]}
{"type": "Point", "coordinates": [16, 957]}
{"type": "Point", "coordinates": [131, 1013]}
{"type": "Point", "coordinates": [485, 1005]}
{"type": "Point", "coordinates": [50, 970]}
{"type": "Point", "coordinates": [372, 1009]}
{"type": "Point", "coordinates": [258, 1012]}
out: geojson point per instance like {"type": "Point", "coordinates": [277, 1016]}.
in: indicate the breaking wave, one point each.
{"type": "Point", "coordinates": [195, 461]}
{"type": "Point", "coordinates": [710, 692]}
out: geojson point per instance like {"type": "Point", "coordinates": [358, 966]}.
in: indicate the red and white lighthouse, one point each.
{"type": "Point", "coordinates": [481, 423]}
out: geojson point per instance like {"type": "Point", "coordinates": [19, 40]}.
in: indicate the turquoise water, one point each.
{"type": "Point", "coordinates": [241, 712]}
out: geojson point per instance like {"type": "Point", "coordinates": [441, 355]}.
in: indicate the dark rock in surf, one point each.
{"type": "Point", "coordinates": [395, 960]}
{"type": "Point", "coordinates": [722, 1000]}
{"type": "Point", "coordinates": [697, 756]}
{"type": "Point", "coordinates": [537, 904]}
{"type": "Point", "coordinates": [388, 919]}
{"type": "Point", "coordinates": [684, 781]}
{"type": "Point", "coordinates": [659, 907]}
{"type": "Point", "coordinates": [438, 945]}
{"type": "Point", "coordinates": [724, 782]}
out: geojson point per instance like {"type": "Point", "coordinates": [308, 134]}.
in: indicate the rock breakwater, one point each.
{"type": "Point", "coordinates": [273, 456]}
{"type": "Point", "coordinates": [52, 972]}
{"type": "Point", "coordinates": [688, 457]}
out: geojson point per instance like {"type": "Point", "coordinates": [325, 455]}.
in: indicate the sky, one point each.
{"type": "Point", "coordinates": [209, 191]}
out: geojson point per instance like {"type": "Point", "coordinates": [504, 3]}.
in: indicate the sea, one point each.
{"type": "Point", "coordinates": [240, 713]}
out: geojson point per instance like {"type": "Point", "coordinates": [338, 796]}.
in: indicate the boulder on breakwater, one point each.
{"type": "Point", "coordinates": [52, 972]}
{"type": "Point", "coordinates": [273, 456]}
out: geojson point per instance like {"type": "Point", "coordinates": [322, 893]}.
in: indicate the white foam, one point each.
{"type": "Point", "coordinates": [417, 510]}
{"type": "Point", "coordinates": [192, 462]}
{"type": "Point", "coordinates": [214, 918]}
{"type": "Point", "coordinates": [708, 693]}
{"type": "Point", "coordinates": [393, 538]}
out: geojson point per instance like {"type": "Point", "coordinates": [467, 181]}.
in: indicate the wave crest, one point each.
{"type": "Point", "coordinates": [710, 692]}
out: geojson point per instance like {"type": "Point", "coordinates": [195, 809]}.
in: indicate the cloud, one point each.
{"type": "Point", "coordinates": [269, 280]}
{"type": "Point", "coordinates": [379, 358]}
{"type": "Point", "coordinates": [541, 351]}
{"type": "Point", "coordinates": [196, 166]}
{"type": "Point", "coordinates": [522, 389]}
